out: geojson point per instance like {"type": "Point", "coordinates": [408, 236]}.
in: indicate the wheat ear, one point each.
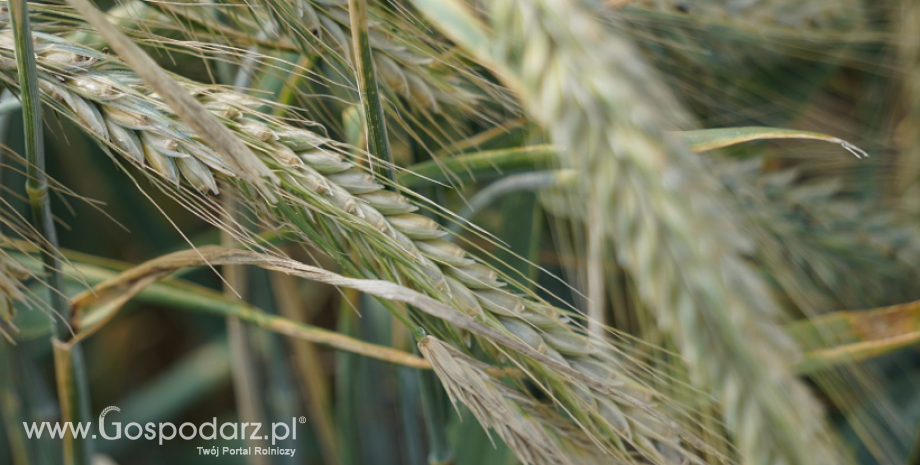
{"type": "Point", "coordinates": [409, 64]}
{"type": "Point", "coordinates": [467, 382]}
{"type": "Point", "coordinates": [11, 291]}
{"type": "Point", "coordinates": [806, 226]}
{"type": "Point", "coordinates": [341, 207]}
{"type": "Point", "coordinates": [810, 223]}
{"type": "Point", "coordinates": [608, 112]}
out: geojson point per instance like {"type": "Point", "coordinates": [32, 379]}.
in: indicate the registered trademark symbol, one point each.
{"type": "Point", "coordinates": [303, 420]}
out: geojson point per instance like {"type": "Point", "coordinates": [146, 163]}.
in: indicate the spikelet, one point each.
{"type": "Point", "coordinates": [11, 291]}
{"type": "Point", "coordinates": [467, 382]}
{"type": "Point", "coordinates": [337, 205]}
{"type": "Point", "coordinates": [407, 73]}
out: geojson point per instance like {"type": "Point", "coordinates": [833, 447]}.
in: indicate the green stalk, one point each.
{"type": "Point", "coordinates": [470, 166]}
{"type": "Point", "coordinates": [307, 361]}
{"type": "Point", "coordinates": [73, 387]}
{"type": "Point", "coordinates": [37, 182]}
{"type": "Point", "coordinates": [244, 373]}
{"type": "Point", "coordinates": [435, 409]}
{"type": "Point", "coordinates": [377, 142]}
{"type": "Point", "coordinates": [505, 187]}
{"type": "Point", "coordinates": [13, 390]}
{"type": "Point", "coordinates": [410, 422]}
{"type": "Point", "coordinates": [183, 295]}
{"type": "Point", "coordinates": [346, 366]}
{"type": "Point", "coordinates": [278, 389]}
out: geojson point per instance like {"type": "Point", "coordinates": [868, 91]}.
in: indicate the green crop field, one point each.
{"type": "Point", "coordinates": [460, 232]}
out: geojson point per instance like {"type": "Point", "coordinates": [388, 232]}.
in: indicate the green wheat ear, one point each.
{"type": "Point", "coordinates": [333, 203]}
{"type": "Point", "coordinates": [700, 259]}
{"type": "Point", "coordinates": [608, 114]}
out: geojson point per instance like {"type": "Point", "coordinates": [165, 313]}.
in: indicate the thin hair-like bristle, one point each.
{"type": "Point", "coordinates": [608, 114]}
{"type": "Point", "coordinates": [467, 382]}
{"type": "Point", "coordinates": [338, 206]}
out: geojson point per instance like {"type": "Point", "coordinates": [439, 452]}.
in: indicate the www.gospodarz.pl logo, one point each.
{"type": "Point", "coordinates": [162, 432]}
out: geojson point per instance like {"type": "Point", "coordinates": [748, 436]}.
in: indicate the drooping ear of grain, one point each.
{"type": "Point", "coordinates": [609, 115]}
{"type": "Point", "coordinates": [339, 207]}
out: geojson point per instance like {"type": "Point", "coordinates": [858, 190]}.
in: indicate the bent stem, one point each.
{"type": "Point", "coordinates": [185, 296]}
{"type": "Point", "coordinates": [345, 388]}
{"type": "Point", "coordinates": [73, 388]}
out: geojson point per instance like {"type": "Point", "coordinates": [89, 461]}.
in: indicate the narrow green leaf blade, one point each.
{"type": "Point", "coordinates": [704, 140]}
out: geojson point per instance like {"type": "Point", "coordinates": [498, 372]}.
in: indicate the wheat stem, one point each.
{"type": "Point", "coordinates": [470, 166]}
{"type": "Point", "coordinates": [374, 118]}
{"type": "Point", "coordinates": [346, 367]}
{"type": "Point", "coordinates": [534, 181]}
{"type": "Point", "coordinates": [37, 183]}
{"type": "Point", "coordinates": [185, 296]}
{"type": "Point", "coordinates": [73, 386]}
